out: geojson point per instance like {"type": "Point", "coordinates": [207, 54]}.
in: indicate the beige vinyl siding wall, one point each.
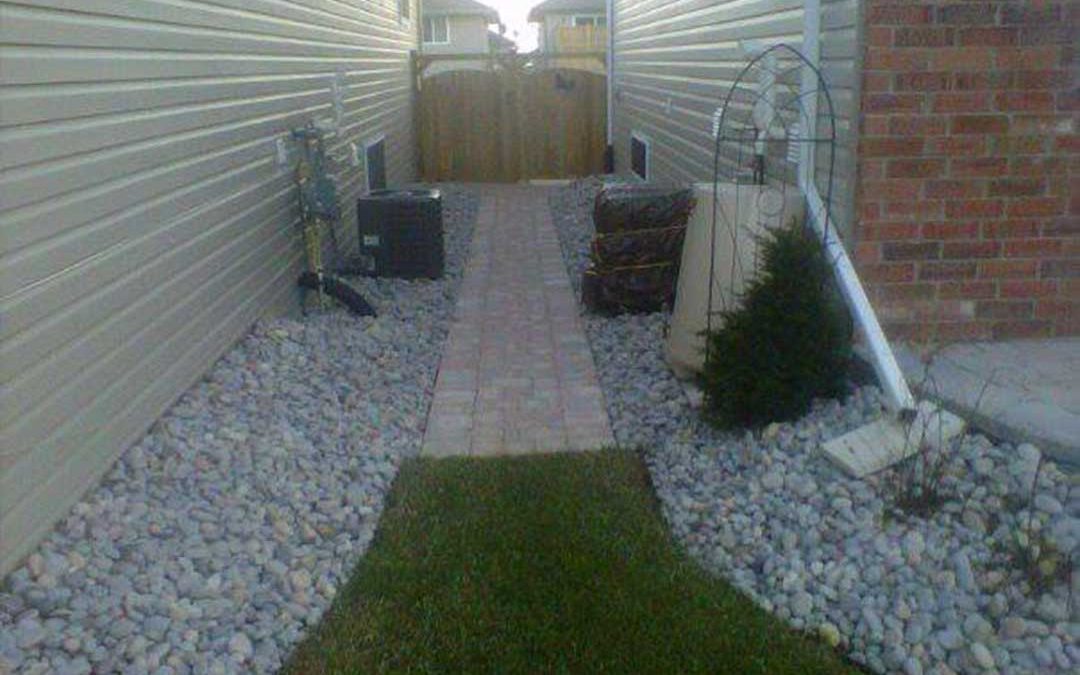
{"type": "Point", "coordinates": [144, 224]}
{"type": "Point", "coordinates": [674, 63]}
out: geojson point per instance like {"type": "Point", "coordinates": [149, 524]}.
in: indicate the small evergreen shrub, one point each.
{"type": "Point", "coordinates": [788, 343]}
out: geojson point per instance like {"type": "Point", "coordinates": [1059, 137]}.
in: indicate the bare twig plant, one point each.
{"type": "Point", "coordinates": [918, 482]}
{"type": "Point", "coordinates": [1039, 559]}
{"type": "Point", "coordinates": [919, 488]}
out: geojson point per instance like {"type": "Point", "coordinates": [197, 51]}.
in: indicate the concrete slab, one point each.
{"type": "Point", "coordinates": [1032, 389]}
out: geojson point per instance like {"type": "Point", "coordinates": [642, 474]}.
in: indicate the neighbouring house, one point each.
{"type": "Point", "coordinates": [957, 182]}
{"type": "Point", "coordinates": [455, 29]}
{"type": "Point", "coordinates": [500, 44]}
{"type": "Point", "coordinates": [572, 33]}
{"type": "Point", "coordinates": [146, 223]}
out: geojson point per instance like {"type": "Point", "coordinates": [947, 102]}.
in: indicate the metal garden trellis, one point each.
{"type": "Point", "coordinates": [763, 121]}
{"type": "Point", "coordinates": [792, 121]}
{"type": "Point", "coordinates": [781, 111]}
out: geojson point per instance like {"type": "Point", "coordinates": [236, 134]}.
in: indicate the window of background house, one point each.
{"type": "Point", "coordinates": [436, 31]}
{"type": "Point", "coordinates": [639, 156]}
{"type": "Point", "coordinates": [590, 20]}
{"type": "Point", "coordinates": [404, 8]}
{"type": "Point", "coordinates": [375, 164]}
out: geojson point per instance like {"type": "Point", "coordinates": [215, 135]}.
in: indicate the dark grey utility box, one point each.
{"type": "Point", "coordinates": [402, 230]}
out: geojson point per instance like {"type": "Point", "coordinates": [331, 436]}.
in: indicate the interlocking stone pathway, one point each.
{"type": "Point", "coordinates": [517, 375]}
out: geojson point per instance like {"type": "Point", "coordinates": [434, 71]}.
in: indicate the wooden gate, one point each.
{"type": "Point", "coordinates": [511, 124]}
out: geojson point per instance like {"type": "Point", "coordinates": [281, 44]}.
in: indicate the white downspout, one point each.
{"type": "Point", "coordinates": [610, 63]}
{"type": "Point", "coordinates": [897, 394]}
{"type": "Point", "coordinates": [811, 49]}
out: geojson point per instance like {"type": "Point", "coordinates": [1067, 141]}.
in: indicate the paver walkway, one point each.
{"type": "Point", "coordinates": [516, 375]}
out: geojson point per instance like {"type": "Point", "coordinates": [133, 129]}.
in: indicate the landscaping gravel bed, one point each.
{"type": "Point", "coordinates": [901, 593]}
{"type": "Point", "coordinates": [218, 538]}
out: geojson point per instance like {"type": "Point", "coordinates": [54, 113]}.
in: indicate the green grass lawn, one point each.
{"type": "Point", "coordinates": [536, 565]}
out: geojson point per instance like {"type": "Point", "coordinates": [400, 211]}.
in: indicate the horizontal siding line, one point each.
{"type": "Point", "coordinates": [120, 287]}
{"type": "Point", "coordinates": [653, 12]}
{"type": "Point", "coordinates": [169, 196]}
{"type": "Point", "coordinates": [694, 141]}
{"type": "Point", "coordinates": [188, 203]}
{"type": "Point", "coordinates": [95, 28]}
{"type": "Point", "coordinates": [113, 54]}
{"type": "Point", "coordinates": [714, 16]}
{"type": "Point", "coordinates": [40, 104]}
{"type": "Point", "coordinates": [165, 300]}
{"type": "Point", "coordinates": [104, 406]}
{"type": "Point", "coordinates": [671, 59]}
{"type": "Point", "coordinates": [145, 154]}
{"type": "Point", "coordinates": [151, 152]}
{"type": "Point", "coordinates": [686, 88]}
{"type": "Point", "coordinates": [683, 96]}
{"type": "Point", "coordinates": [690, 72]}
{"type": "Point", "coordinates": [31, 518]}
{"type": "Point", "coordinates": [703, 109]}
{"type": "Point", "coordinates": [144, 222]}
{"type": "Point", "coordinates": [838, 15]}
{"type": "Point", "coordinates": [15, 49]}
{"type": "Point", "coordinates": [159, 42]}
{"type": "Point", "coordinates": [786, 24]}
{"type": "Point", "coordinates": [346, 10]}
{"type": "Point", "coordinates": [730, 58]}
{"type": "Point", "coordinates": [76, 69]}
{"type": "Point", "coordinates": [666, 70]}
{"type": "Point", "coordinates": [687, 135]}
{"type": "Point", "coordinates": [716, 48]}
{"type": "Point", "coordinates": [77, 234]}
{"type": "Point", "coordinates": [216, 13]}
{"type": "Point", "coordinates": [717, 45]}
{"type": "Point", "coordinates": [121, 86]}
{"type": "Point", "coordinates": [353, 68]}
{"type": "Point", "coordinates": [88, 133]}
{"type": "Point", "coordinates": [37, 143]}
{"type": "Point", "coordinates": [175, 149]}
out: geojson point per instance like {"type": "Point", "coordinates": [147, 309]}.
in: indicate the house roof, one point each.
{"type": "Point", "coordinates": [501, 41]}
{"type": "Point", "coordinates": [460, 7]}
{"type": "Point", "coordinates": [565, 7]}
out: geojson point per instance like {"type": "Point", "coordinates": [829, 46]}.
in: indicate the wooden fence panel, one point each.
{"type": "Point", "coordinates": [512, 124]}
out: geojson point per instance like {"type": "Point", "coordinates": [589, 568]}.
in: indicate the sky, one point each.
{"type": "Point", "coordinates": [514, 15]}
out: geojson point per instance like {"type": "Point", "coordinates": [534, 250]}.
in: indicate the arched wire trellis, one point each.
{"type": "Point", "coordinates": [760, 132]}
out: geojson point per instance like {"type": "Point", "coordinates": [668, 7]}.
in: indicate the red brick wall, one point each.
{"type": "Point", "coordinates": [969, 168]}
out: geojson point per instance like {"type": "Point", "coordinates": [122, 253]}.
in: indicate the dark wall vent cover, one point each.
{"type": "Point", "coordinates": [639, 157]}
{"type": "Point", "coordinates": [376, 165]}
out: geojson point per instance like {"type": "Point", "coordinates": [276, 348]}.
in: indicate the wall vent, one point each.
{"type": "Point", "coordinates": [375, 163]}
{"type": "Point", "coordinates": [640, 159]}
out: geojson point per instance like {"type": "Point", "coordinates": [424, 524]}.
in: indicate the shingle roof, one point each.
{"type": "Point", "coordinates": [467, 7]}
{"type": "Point", "coordinates": [560, 6]}
{"type": "Point", "coordinates": [501, 41]}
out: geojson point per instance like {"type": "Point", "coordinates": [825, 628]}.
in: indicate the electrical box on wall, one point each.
{"type": "Point", "coordinates": [337, 93]}
{"type": "Point", "coordinates": [281, 153]}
